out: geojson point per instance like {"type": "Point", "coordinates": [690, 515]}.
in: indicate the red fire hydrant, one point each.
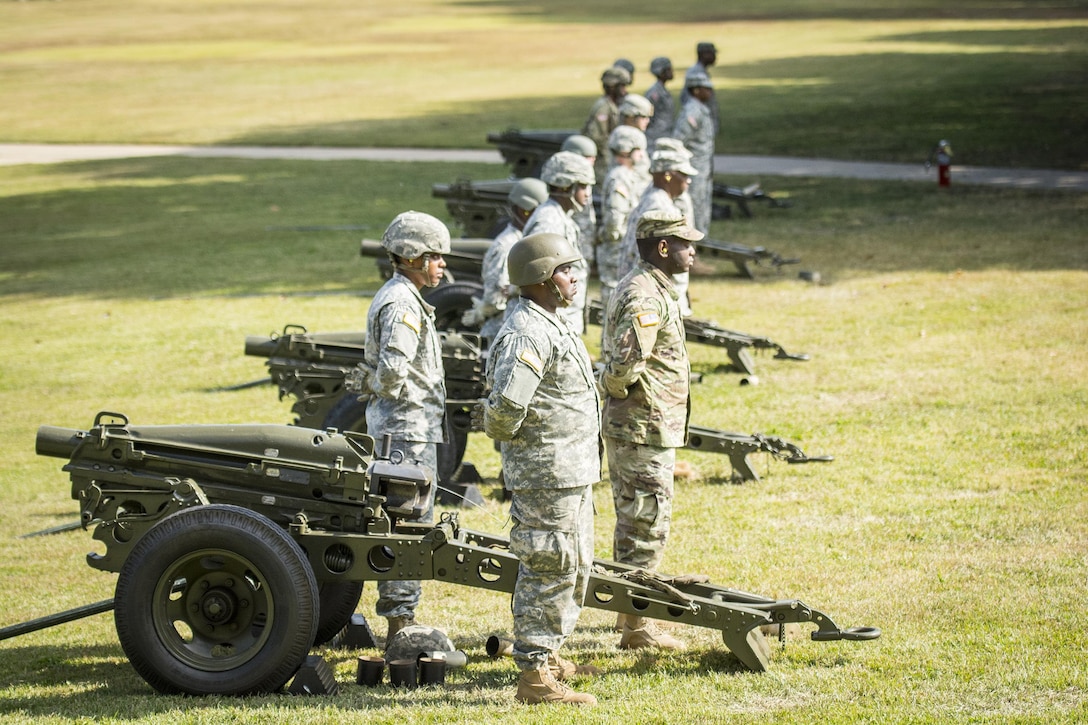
{"type": "Point", "coordinates": [943, 154]}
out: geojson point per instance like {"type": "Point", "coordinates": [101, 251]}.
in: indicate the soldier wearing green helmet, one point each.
{"type": "Point", "coordinates": [543, 409]}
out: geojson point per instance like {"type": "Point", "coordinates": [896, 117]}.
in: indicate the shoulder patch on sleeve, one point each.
{"type": "Point", "coordinates": [412, 321]}
{"type": "Point", "coordinates": [648, 319]}
{"type": "Point", "coordinates": [531, 359]}
{"type": "Point", "coordinates": [693, 121]}
{"type": "Point", "coordinates": [622, 191]}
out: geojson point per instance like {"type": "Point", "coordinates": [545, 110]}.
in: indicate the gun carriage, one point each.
{"type": "Point", "coordinates": [237, 547]}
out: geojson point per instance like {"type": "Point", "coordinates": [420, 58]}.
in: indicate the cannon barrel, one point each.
{"type": "Point", "coordinates": [259, 346]}
{"type": "Point", "coordinates": [58, 442]}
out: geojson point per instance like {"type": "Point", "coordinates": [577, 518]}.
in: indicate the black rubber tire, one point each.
{"type": "Point", "coordinates": [349, 414]}
{"type": "Point", "coordinates": [338, 601]}
{"type": "Point", "coordinates": [216, 600]}
{"type": "Point", "coordinates": [451, 301]}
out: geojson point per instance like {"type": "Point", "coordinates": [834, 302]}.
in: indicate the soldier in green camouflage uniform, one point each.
{"type": "Point", "coordinates": [543, 408]}
{"type": "Point", "coordinates": [645, 380]}
{"type": "Point", "coordinates": [403, 375]}
{"type": "Point", "coordinates": [605, 115]}
{"type": "Point", "coordinates": [620, 195]}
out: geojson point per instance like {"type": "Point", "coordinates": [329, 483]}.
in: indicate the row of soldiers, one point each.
{"type": "Point", "coordinates": [549, 410]}
{"type": "Point", "coordinates": [547, 406]}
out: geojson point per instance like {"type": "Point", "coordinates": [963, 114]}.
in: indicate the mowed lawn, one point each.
{"type": "Point", "coordinates": [947, 335]}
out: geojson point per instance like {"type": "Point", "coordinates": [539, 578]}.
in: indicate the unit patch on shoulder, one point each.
{"type": "Point", "coordinates": [531, 359]}
{"type": "Point", "coordinates": [648, 319]}
{"type": "Point", "coordinates": [412, 321]}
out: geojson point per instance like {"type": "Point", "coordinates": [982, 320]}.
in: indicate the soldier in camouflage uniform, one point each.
{"type": "Point", "coordinates": [695, 128]}
{"type": "Point", "coordinates": [586, 217]}
{"type": "Point", "coordinates": [543, 408]}
{"type": "Point", "coordinates": [671, 173]}
{"type": "Point", "coordinates": [635, 112]}
{"type": "Point", "coordinates": [706, 55]}
{"type": "Point", "coordinates": [487, 311]}
{"type": "Point", "coordinates": [403, 375]}
{"type": "Point", "coordinates": [605, 115]}
{"type": "Point", "coordinates": [569, 177]}
{"type": "Point", "coordinates": [664, 106]}
{"type": "Point", "coordinates": [683, 203]}
{"type": "Point", "coordinates": [645, 379]}
{"type": "Point", "coordinates": [622, 190]}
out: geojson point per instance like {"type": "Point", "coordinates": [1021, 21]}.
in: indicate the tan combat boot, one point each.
{"type": "Point", "coordinates": [396, 624]}
{"type": "Point", "coordinates": [639, 632]}
{"type": "Point", "coordinates": [537, 686]}
{"type": "Point", "coordinates": [563, 670]}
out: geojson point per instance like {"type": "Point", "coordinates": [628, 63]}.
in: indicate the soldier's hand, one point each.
{"type": "Point", "coordinates": [476, 416]}
{"type": "Point", "coordinates": [357, 381]}
{"type": "Point", "coordinates": [475, 315]}
{"type": "Point", "coordinates": [613, 387]}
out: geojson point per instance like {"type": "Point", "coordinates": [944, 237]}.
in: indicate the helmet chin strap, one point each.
{"type": "Point", "coordinates": [428, 260]}
{"type": "Point", "coordinates": [563, 301]}
{"type": "Point", "coordinates": [574, 202]}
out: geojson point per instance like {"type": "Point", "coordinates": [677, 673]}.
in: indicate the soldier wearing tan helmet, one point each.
{"type": "Point", "coordinates": [403, 375]}
{"type": "Point", "coordinates": [543, 409]}
{"type": "Point", "coordinates": [620, 194]}
{"type": "Point", "coordinates": [487, 311]}
{"type": "Point", "coordinates": [569, 177]}
{"type": "Point", "coordinates": [586, 217]}
{"type": "Point", "coordinates": [605, 114]}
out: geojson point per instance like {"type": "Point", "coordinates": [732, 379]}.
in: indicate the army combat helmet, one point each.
{"type": "Point", "coordinates": [534, 258]}
{"type": "Point", "coordinates": [412, 234]}
{"type": "Point", "coordinates": [528, 193]}
{"type": "Point", "coordinates": [565, 169]}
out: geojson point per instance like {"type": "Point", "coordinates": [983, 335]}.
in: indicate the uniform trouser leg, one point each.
{"type": "Point", "coordinates": [552, 536]}
{"type": "Point", "coordinates": [400, 598]}
{"type": "Point", "coordinates": [642, 490]}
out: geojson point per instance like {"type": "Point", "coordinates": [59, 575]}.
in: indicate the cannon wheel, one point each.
{"type": "Point", "coordinates": [338, 602]}
{"type": "Point", "coordinates": [451, 301]}
{"type": "Point", "coordinates": [216, 600]}
{"type": "Point", "coordinates": [350, 414]}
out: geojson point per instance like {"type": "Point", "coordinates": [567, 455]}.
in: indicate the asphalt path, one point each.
{"type": "Point", "coordinates": [757, 166]}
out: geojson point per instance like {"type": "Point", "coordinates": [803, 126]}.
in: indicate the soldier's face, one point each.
{"type": "Point", "coordinates": [582, 194]}
{"type": "Point", "coordinates": [431, 270]}
{"type": "Point", "coordinates": [680, 256]}
{"type": "Point", "coordinates": [566, 286]}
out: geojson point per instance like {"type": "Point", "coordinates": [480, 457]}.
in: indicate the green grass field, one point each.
{"type": "Point", "coordinates": [948, 338]}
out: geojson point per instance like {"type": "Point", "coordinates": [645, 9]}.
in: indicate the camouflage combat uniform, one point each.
{"type": "Point", "coordinates": [646, 362]}
{"type": "Point", "coordinates": [550, 217]}
{"type": "Point", "coordinates": [652, 199]}
{"type": "Point", "coordinates": [543, 408]}
{"type": "Point", "coordinates": [404, 358]}
{"type": "Point", "coordinates": [496, 279]}
{"type": "Point", "coordinates": [622, 190]}
{"type": "Point", "coordinates": [664, 112]}
{"type": "Point", "coordinates": [603, 117]}
{"type": "Point", "coordinates": [695, 128]}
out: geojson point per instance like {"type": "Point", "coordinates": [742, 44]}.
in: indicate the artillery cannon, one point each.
{"type": "Point", "coordinates": [311, 366]}
{"type": "Point", "coordinates": [466, 260]}
{"type": "Point", "coordinates": [480, 208]}
{"type": "Point", "coordinates": [237, 546]}
{"type": "Point", "coordinates": [526, 151]}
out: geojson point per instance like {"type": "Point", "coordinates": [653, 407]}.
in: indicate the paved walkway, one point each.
{"type": "Point", "coordinates": [11, 154]}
